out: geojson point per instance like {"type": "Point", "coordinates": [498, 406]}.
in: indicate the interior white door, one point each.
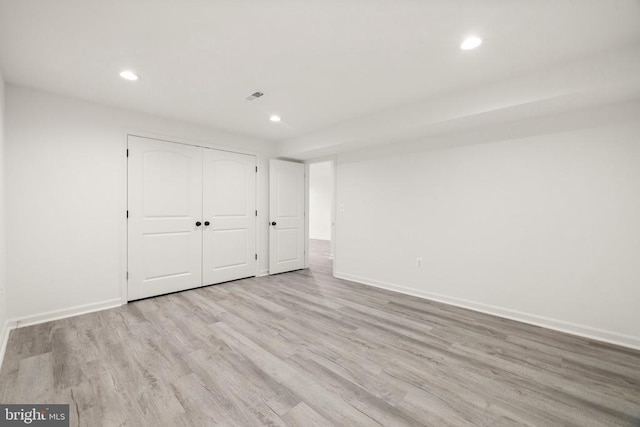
{"type": "Point", "coordinates": [229, 216]}
{"type": "Point", "coordinates": [286, 213]}
{"type": "Point", "coordinates": [164, 208]}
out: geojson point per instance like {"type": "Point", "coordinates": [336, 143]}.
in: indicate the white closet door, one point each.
{"type": "Point", "coordinates": [229, 203]}
{"type": "Point", "coordinates": [286, 211]}
{"type": "Point", "coordinates": [164, 204]}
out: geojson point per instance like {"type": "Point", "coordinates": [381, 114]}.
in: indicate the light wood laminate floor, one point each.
{"type": "Point", "coordinates": [306, 349]}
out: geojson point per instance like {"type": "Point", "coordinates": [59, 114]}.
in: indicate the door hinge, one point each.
{"type": "Point", "coordinates": [256, 256]}
{"type": "Point", "coordinates": [127, 214]}
{"type": "Point", "coordinates": [256, 212]}
{"type": "Point", "coordinates": [256, 169]}
{"type": "Point", "coordinates": [127, 152]}
{"type": "Point", "coordinates": [127, 275]}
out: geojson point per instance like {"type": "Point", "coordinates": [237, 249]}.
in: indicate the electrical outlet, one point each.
{"type": "Point", "coordinates": [418, 262]}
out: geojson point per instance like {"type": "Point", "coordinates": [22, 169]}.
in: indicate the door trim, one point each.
{"type": "Point", "coordinates": [333, 159]}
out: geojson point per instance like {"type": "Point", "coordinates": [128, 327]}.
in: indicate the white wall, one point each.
{"type": "Point", "coordinates": [543, 229]}
{"type": "Point", "coordinates": [66, 193]}
{"type": "Point", "coordinates": [320, 200]}
{"type": "Point", "coordinates": [3, 253]}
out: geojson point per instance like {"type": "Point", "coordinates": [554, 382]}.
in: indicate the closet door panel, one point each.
{"type": "Point", "coordinates": [229, 203]}
{"type": "Point", "coordinates": [164, 204]}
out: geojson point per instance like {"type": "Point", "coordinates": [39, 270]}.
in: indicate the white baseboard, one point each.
{"type": "Point", "coordinates": [597, 334]}
{"type": "Point", "coordinates": [66, 312]}
{"type": "Point", "coordinates": [7, 327]}
{"type": "Point", "coordinates": [264, 272]}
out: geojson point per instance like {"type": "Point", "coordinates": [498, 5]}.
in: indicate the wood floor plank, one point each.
{"type": "Point", "coordinates": [307, 349]}
{"type": "Point", "coordinates": [302, 415]}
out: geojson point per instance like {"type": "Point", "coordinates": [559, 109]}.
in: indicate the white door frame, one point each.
{"type": "Point", "coordinates": [307, 184]}
{"type": "Point", "coordinates": [124, 230]}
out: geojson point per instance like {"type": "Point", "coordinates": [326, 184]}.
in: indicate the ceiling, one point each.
{"type": "Point", "coordinates": [322, 64]}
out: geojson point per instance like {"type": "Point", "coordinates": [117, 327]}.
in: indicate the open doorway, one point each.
{"type": "Point", "coordinates": [321, 215]}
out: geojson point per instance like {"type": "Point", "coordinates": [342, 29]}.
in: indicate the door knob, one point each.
{"type": "Point", "coordinates": [273, 223]}
{"type": "Point", "coordinates": [207, 223]}
{"type": "Point", "coordinates": [198, 224]}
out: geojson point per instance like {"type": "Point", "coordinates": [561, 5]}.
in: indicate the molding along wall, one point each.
{"type": "Point", "coordinates": [541, 228]}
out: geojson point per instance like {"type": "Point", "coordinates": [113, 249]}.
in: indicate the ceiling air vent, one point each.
{"type": "Point", "coordinates": [254, 95]}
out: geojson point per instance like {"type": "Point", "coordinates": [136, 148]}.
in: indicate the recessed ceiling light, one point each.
{"type": "Point", "coordinates": [275, 118]}
{"type": "Point", "coordinates": [129, 75]}
{"type": "Point", "coordinates": [471, 43]}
